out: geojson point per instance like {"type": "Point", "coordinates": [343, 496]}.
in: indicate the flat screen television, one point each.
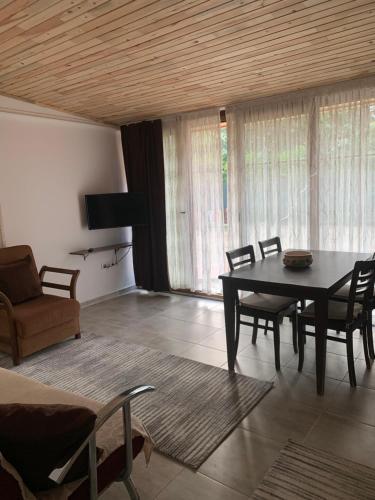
{"type": "Point", "coordinates": [115, 210]}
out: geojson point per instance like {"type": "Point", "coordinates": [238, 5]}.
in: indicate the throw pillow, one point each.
{"type": "Point", "coordinates": [37, 439]}
{"type": "Point", "coordinates": [19, 281]}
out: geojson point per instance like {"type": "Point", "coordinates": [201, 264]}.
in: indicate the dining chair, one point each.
{"type": "Point", "coordinates": [342, 295]}
{"type": "Point", "coordinates": [270, 246]}
{"type": "Point", "coordinates": [344, 316]}
{"type": "Point", "coordinates": [270, 308]}
{"type": "Point", "coordinates": [273, 246]}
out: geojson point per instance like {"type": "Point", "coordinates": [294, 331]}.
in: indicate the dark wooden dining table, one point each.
{"type": "Point", "coordinates": [328, 272]}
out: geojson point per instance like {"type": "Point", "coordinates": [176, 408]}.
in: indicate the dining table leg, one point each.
{"type": "Point", "coordinates": [229, 293]}
{"type": "Point", "coordinates": [321, 318]}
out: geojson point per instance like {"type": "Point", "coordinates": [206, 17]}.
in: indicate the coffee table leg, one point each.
{"type": "Point", "coordinates": [229, 310]}
{"type": "Point", "coordinates": [321, 317]}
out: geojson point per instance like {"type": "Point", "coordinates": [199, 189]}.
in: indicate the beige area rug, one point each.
{"type": "Point", "coordinates": [195, 406]}
{"type": "Point", "coordinates": [301, 472]}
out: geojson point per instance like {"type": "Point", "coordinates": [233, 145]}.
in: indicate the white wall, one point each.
{"type": "Point", "coordinates": [47, 164]}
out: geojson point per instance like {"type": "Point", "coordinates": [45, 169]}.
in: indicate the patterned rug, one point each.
{"type": "Point", "coordinates": [306, 473]}
{"type": "Point", "coordinates": [195, 406]}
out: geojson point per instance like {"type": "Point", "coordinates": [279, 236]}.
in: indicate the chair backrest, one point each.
{"type": "Point", "coordinates": [362, 286]}
{"type": "Point", "coordinates": [271, 246]}
{"type": "Point", "coordinates": [18, 252]}
{"type": "Point", "coordinates": [247, 252]}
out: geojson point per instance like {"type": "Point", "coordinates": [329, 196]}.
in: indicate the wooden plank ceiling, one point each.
{"type": "Point", "coordinates": [124, 60]}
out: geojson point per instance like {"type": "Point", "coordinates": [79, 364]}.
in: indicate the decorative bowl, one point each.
{"type": "Point", "coordinates": [297, 259]}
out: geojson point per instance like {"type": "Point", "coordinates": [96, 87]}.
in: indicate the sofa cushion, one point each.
{"type": "Point", "coordinates": [36, 439]}
{"type": "Point", "coordinates": [44, 312]}
{"type": "Point", "coordinates": [19, 281]}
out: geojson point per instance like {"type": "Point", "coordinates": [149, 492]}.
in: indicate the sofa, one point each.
{"type": "Point", "coordinates": [119, 436]}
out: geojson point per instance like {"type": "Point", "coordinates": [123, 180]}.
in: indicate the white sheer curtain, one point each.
{"type": "Point", "coordinates": [268, 173]}
{"type": "Point", "coordinates": [303, 167]}
{"type": "Point", "coordinates": [346, 170]}
{"type": "Point", "coordinates": [194, 201]}
{"type": "Point", "coordinates": [300, 166]}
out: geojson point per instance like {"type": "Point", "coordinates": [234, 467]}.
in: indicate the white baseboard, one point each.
{"type": "Point", "coordinates": [109, 296]}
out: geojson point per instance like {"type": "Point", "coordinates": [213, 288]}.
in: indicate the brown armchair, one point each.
{"type": "Point", "coordinates": [27, 326]}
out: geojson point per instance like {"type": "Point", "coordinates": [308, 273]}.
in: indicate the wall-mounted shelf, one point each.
{"type": "Point", "coordinates": [87, 251]}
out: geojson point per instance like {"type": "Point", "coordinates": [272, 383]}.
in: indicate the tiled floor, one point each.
{"type": "Point", "coordinates": [342, 421]}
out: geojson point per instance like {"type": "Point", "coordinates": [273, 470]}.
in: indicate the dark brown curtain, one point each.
{"type": "Point", "coordinates": [142, 145]}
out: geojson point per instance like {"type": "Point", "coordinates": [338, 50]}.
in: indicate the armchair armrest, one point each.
{"type": "Point", "coordinates": [71, 288]}
{"type": "Point", "coordinates": [7, 306]}
{"type": "Point", "coordinates": [121, 401]}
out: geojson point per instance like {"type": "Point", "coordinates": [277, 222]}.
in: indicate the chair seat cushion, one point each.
{"type": "Point", "coordinates": [268, 303]}
{"type": "Point", "coordinates": [336, 310]}
{"type": "Point", "coordinates": [343, 293]}
{"type": "Point", "coordinates": [44, 312]}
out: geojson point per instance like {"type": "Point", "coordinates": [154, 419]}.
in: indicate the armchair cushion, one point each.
{"type": "Point", "coordinates": [19, 281]}
{"type": "Point", "coordinates": [42, 313]}
{"type": "Point", "coordinates": [36, 439]}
